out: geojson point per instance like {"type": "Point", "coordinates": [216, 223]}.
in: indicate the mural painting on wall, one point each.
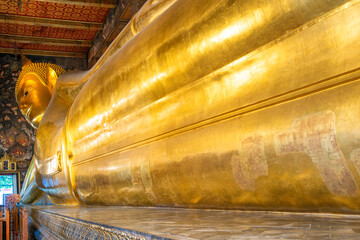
{"type": "Point", "coordinates": [17, 137]}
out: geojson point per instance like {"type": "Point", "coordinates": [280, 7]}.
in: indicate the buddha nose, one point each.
{"type": "Point", "coordinates": [23, 107]}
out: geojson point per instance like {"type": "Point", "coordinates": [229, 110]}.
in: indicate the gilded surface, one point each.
{"type": "Point", "coordinates": [213, 104]}
{"type": "Point", "coordinates": [34, 88]}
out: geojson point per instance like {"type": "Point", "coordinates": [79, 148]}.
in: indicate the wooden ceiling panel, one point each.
{"type": "Point", "coordinates": [55, 11]}
{"type": "Point", "coordinates": [40, 40]}
{"type": "Point", "coordinates": [48, 22]}
{"type": "Point", "coordinates": [47, 32]}
{"type": "Point", "coordinates": [45, 47]}
{"type": "Point", "coordinates": [65, 28]}
{"type": "Point", "coordinates": [94, 3]}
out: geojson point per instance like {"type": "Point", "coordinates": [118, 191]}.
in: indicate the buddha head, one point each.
{"type": "Point", "coordinates": [34, 88]}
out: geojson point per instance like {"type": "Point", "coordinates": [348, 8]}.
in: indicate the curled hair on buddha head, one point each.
{"type": "Point", "coordinates": [40, 70]}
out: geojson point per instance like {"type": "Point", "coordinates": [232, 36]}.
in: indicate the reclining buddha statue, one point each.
{"type": "Point", "coordinates": [226, 104]}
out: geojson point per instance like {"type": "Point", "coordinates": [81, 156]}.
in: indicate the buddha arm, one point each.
{"type": "Point", "coordinates": [30, 192]}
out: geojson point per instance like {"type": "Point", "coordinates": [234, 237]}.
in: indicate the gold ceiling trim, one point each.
{"type": "Point", "coordinates": [42, 40]}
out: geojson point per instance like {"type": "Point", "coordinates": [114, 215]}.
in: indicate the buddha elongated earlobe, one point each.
{"type": "Point", "coordinates": [51, 77]}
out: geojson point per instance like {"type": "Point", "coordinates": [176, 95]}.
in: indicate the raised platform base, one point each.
{"type": "Point", "coordinates": [58, 222]}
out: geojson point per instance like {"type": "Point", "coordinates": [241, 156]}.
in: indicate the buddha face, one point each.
{"type": "Point", "coordinates": [33, 98]}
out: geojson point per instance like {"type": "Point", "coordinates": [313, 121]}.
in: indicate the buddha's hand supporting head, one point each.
{"type": "Point", "coordinates": [34, 89]}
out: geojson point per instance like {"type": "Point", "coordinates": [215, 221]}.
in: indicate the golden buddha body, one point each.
{"type": "Point", "coordinates": [211, 104]}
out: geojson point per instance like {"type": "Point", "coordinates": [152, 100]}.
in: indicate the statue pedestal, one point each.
{"type": "Point", "coordinates": [53, 222]}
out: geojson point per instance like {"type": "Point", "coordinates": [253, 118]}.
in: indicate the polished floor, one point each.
{"type": "Point", "coordinates": [215, 224]}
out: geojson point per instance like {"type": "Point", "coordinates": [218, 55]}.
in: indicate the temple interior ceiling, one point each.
{"type": "Point", "coordinates": [63, 28]}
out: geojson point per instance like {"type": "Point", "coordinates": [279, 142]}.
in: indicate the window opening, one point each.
{"type": "Point", "coordinates": [8, 185]}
